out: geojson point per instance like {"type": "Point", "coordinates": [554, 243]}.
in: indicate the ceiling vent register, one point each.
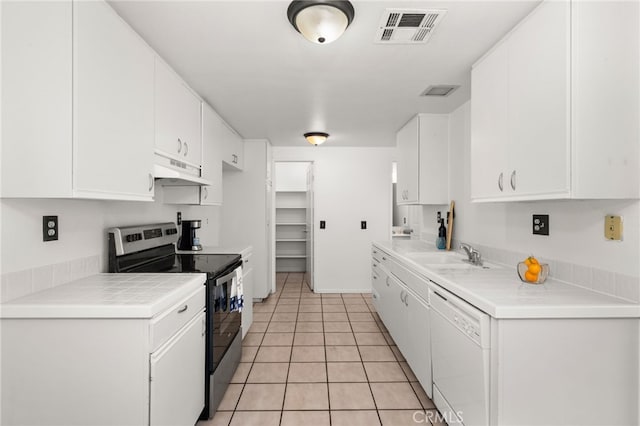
{"type": "Point", "coordinates": [408, 26]}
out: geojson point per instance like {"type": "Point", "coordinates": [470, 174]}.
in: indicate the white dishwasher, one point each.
{"type": "Point", "coordinates": [460, 345]}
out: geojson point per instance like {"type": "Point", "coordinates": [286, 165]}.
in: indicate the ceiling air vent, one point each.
{"type": "Point", "coordinates": [408, 26]}
{"type": "Point", "coordinates": [440, 90]}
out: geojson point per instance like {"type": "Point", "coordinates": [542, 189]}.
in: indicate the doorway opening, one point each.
{"type": "Point", "coordinates": [293, 219]}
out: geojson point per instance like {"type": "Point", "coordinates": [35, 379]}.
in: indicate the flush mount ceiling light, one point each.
{"type": "Point", "coordinates": [316, 138]}
{"type": "Point", "coordinates": [320, 21]}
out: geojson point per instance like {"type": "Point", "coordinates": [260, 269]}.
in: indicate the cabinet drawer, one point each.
{"type": "Point", "coordinates": [173, 319]}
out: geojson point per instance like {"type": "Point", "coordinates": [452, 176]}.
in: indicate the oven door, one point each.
{"type": "Point", "coordinates": [225, 318]}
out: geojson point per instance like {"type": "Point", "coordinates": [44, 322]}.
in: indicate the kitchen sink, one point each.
{"type": "Point", "coordinates": [435, 258]}
{"type": "Point", "coordinates": [459, 267]}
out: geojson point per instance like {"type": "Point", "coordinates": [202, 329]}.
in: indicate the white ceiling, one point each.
{"type": "Point", "coordinates": [267, 81]}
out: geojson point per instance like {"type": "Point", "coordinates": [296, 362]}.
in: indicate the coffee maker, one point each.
{"type": "Point", "coordinates": [189, 240]}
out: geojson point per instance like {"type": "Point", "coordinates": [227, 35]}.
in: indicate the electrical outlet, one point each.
{"type": "Point", "coordinates": [363, 224]}
{"type": "Point", "coordinates": [541, 224]}
{"type": "Point", "coordinates": [613, 227]}
{"type": "Point", "coordinates": [179, 218]}
{"type": "Point", "coordinates": [323, 224]}
{"type": "Point", "coordinates": [50, 228]}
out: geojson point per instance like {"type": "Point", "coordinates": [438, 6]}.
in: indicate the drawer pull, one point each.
{"type": "Point", "coordinates": [183, 309]}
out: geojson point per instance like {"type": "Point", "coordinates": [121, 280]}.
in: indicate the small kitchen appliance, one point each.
{"type": "Point", "coordinates": [189, 241]}
{"type": "Point", "coordinates": [150, 248]}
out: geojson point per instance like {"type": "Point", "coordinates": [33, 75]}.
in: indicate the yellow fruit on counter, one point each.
{"type": "Point", "coordinates": [535, 268]}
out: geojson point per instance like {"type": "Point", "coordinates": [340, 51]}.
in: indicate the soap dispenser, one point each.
{"type": "Point", "coordinates": [441, 241]}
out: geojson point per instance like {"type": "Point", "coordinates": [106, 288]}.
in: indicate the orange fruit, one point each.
{"type": "Point", "coordinates": [535, 268]}
{"type": "Point", "coordinates": [531, 277]}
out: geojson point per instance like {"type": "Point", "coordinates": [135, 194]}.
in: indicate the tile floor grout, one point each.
{"type": "Point", "coordinates": [321, 308]}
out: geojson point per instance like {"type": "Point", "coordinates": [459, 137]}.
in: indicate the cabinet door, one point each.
{"type": "Point", "coordinates": [407, 183]}
{"type": "Point", "coordinates": [113, 106]}
{"type": "Point", "coordinates": [247, 287]}
{"type": "Point", "coordinates": [177, 377]}
{"type": "Point", "coordinates": [539, 102]}
{"type": "Point", "coordinates": [418, 349]}
{"type": "Point", "coordinates": [177, 117]}
{"type": "Point", "coordinates": [489, 125]}
{"type": "Point", "coordinates": [397, 313]}
{"type": "Point", "coordinates": [378, 285]}
{"type": "Point", "coordinates": [36, 99]}
{"type": "Point", "coordinates": [233, 148]}
{"type": "Point", "coordinates": [211, 157]}
{"type": "Point", "coordinates": [433, 150]}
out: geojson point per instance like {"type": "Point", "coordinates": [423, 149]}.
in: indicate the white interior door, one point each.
{"type": "Point", "coordinates": [309, 223]}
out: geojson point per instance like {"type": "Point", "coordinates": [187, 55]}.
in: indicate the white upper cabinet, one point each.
{"type": "Point", "coordinates": [488, 121]}
{"type": "Point", "coordinates": [423, 156]}
{"type": "Point", "coordinates": [113, 105]}
{"type": "Point", "coordinates": [233, 148]}
{"type": "Point", "coordinates": [211, 156]}
{"type": "Point", "coordinates": [553, 106]}
{"type": "Point", "coordinates": [205, 195]}
{"type": "Point", "coordinates": [177, 118]}
{"type": "Point", "coordinates": [77, 103]}
{"type": "Point", "coordinates": [408, 140]}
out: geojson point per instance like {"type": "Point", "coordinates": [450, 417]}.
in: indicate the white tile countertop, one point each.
{"type": "Point", "coordinates": [106, 296]}
{"type": "Point", "coordinates": [499, 292]}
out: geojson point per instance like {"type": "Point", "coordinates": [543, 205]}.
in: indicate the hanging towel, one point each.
{"type": "Point", "coordinates": [237, 300]}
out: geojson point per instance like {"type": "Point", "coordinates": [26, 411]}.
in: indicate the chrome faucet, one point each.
{"type": "Point", "coordinates": [474, 256]}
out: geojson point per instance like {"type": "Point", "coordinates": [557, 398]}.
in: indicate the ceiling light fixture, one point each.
{"type": "Point", "coordinates": [320, 21]}
{"type": "Point", "coordinates": [316, 138]}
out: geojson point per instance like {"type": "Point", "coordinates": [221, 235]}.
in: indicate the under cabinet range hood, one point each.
{"type": "Point", "coordinates": [170, 172]}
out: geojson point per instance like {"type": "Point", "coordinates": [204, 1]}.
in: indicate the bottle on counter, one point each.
{"type": "Point", "coordinates": [441, 241]}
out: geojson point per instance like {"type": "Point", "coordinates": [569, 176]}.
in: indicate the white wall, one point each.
{"type": "Point", "coordinates": [29, 264]}
{"type": "Point", "coordinates": [576, 227]}
{"type": "Point", "coordinates": [291, 176]}
{"type": "Point", "coordinates": [351, 184]}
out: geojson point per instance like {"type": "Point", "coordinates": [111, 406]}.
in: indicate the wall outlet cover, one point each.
{"type": "Point", "coordinates": [50, 228]}
{"type": "Point", "coordinates": [613, 227]}
{"type": "Point", "coordinates": [541, 224]}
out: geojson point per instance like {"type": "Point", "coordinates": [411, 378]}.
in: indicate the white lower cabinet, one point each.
{"type": "Point", "coordinates": [247, 287]}
{"type": "Point", "coordinates": [105, 370]}
{"type": "Point", "coordinates": [405, 314]}
{"type": "Point", "coordinates": [176, 387]}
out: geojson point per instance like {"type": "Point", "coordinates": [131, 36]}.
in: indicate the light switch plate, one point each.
{"type": "Point", "coordinates": [613, 227]}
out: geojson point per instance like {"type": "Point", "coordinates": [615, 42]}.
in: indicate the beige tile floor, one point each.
{"type": "Point", "coordinates": [320, 360]}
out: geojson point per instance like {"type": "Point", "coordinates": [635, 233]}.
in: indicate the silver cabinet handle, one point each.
{"type": "Point", "coordinates": [406, 299]}
{"type": "Point", "coordinates": [384, 258]}
{"type": "Point", "coordinates": [151, 182]}
{"type": "Point", "coordinates": [401, 296]}
{"type": "Point", "coordinates": [179, 145]}
{"type": "Point", "coordinates": [387, 281]}
{"type": "Point", "coordinates": [500, 185]}
{"type": "Point", "coordinates": [183, 309]}
{"type": "Point", "coordinates": [186, 149]}
{"type": "Point", "coordinates": [375, 278]}
{"type": "Point", "coordinates": [513, 180]}
{"type": "Point", "coordinates": [205, 192]}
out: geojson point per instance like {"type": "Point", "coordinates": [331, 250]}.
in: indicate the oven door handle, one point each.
{"type": "Point", "coordinates": [226, 278]}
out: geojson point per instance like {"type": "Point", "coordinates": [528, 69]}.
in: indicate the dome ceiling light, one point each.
{"type": "Point", "coordinates": [316, 138]}
{"type": "Point", "coordinates": [320, 21]}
